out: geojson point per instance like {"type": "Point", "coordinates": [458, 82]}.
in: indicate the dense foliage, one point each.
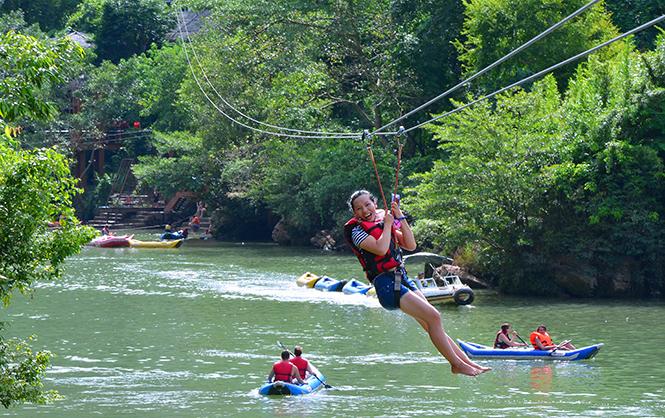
{"type": "Point", "coordinates": [36, 189]}
{"type": "Point", "coordinates": [540, 189]}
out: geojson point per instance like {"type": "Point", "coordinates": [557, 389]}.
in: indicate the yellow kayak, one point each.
{"type": "Point", "coordinates": [308, 280]}
{"type": "Point", "coordinates": [134, 243]}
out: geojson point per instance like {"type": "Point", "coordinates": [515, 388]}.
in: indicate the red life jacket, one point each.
{"type": "Point", "coordinates": [373, 264]}
{"type": "Point", "coordinates": [283, 370]}
{"type": "Point", "coordinates": [498, 343]}
{"type": "Point", "coordinates": [301, 364]}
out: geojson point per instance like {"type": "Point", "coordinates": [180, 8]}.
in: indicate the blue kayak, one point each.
{"type": "Point", "coordinates": [173, 235]}
{"type": "Point", "coordinates": [526, 353]}
{"type": "Point", "coordinates": [326, 284]}
{"type": "Point", "coordinates": [355, 287]}
{"type": "Point", "coordinates": [282, 388]}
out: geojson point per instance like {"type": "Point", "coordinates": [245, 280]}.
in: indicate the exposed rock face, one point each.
{"type": "Point", "coordinates": [465, 277]}
{"type": "Point", "coordinates": [578, 278]}
{"type": "Point", "coordinates": [323, 240]}
{"type": "Point", "coordinates": [280, 235]}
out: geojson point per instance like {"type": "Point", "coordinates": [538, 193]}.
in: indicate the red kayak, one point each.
{"type": "Point", "coordinates": [108, 241]}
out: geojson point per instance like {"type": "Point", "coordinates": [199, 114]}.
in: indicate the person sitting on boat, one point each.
{"type": "Point", "coordinates": [105, 230]}
{"type": "Point", "coordinates": [285, 370]}
{"type": "Point", "coordinates": [375, 239]}
{"type": "Point", "coordinates": [168, 228]}
{"type": "Point", "coordinates": [503, 340]}
{"type": "Point", "coordinates": [541, 340]}
{"type": "Point", "coordinates": [303, 365]}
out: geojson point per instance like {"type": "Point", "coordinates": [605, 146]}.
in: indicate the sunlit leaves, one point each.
{"type": "Point", "coordinates": [27, 65]}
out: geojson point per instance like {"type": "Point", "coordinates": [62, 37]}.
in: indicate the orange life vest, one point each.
{"type": "Point", "coordinates": [301, 364]}
{"type": "Point", "coordinates": [283, 370]}
{"type": "Point", "coordinates": [544, 339]}
{"type": "Point", "coordinates": [373, 264]}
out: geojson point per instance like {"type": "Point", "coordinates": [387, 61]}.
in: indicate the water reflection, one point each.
{"type": "Point", "coordinates": [541, 378]}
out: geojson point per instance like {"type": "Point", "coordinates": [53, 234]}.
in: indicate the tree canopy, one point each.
{"type": "Point", "coordinates": [36, 190]}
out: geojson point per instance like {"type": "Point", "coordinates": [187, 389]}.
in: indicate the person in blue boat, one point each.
{"type": "Point", "coordinates": [376, 238]}
{"type": "Point", "coordinates": [541, 340]}
{"type": "Point", "coordinates": [303, 365]}
{"type": "Point", "coordinates": [503, 339]}
{"type": "Point", "coordinates": [285, 370]}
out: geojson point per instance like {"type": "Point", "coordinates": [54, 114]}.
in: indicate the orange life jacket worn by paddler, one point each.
{"type": "Point", "coordinates": [544, 338]}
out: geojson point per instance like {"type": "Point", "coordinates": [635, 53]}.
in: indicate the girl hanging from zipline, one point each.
{"type": "Point", "coordinates": [376, 237]}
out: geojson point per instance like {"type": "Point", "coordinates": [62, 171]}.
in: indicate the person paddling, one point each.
{"type": "Point", "coordinates": [374, 240]}
{"type": "Point", "coordinates": [504, 340]}
{"type": "Point", "coordinates": [285, 370]}
{"type": "Point", "coordinates": [302, 364]}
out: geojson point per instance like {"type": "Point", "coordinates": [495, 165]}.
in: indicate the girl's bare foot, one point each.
{"type": "Point", "coordinates": [466, 369]}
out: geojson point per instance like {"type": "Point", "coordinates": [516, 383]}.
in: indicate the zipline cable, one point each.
{"type": "Point", "coordinates": [489, 67]}
{"type": "Point", "coordinates": [319, 134]}
{"type": "Point", "coordinates": [545, 71]}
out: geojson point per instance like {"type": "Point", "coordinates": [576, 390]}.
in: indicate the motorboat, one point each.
{"type": "Point", "coordinates": [437, 287]}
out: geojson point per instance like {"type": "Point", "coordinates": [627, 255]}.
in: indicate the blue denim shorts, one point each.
{"type": "Point", "coordinates": [384, 284]}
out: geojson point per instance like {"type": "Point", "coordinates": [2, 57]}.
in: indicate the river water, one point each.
{"type": "Point", "coordinates": [193, 332]}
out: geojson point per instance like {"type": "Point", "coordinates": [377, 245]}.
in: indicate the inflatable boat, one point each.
{"type": "Point", "coordinates": [308, 280]}
{"type": "Point", "coordinates": [109, 241]}
{"type": "Point", "coordinates": [354, 286]}
{"type": "Point", "coordinates": [278, 387]}
{"type": "Point", "coordinates": [474, 350]}
{"type": "Point", "coordinates": [173, 235]}
{"type": "Point", "coordinates": [327, 284]}
{"type": "Point", "coordinates": [134, 243]}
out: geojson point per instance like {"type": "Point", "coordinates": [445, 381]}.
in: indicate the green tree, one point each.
{"type": "Point", "coordinates": [51, 15]}
{"type": "Point", "coordinates": [629, 14]}
{"type": "Point", "coordinates": [487, 194]}
{"type": "Point", "coordinates": [36, 188]}
{"type": "Point", "coordinates": [130, 27]}
{"type": "Point", "coordinates": [492, 29]}
{"type": "Point", "coordinates": [548, 195]}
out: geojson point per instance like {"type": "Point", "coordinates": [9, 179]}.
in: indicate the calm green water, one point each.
{"type": "Point", "coordinates": [192, 332]}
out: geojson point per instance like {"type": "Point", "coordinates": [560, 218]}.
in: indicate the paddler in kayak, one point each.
{"type": "Point", "coordinates": [503, 339]}
{"type": "Point", "coordinates": [376, 243]}
{"type": "Point", "coordinates": [285, 370]}
{"type": "Point", "coordinates": [303, 365]}
{"type": "Point", "coordinates": [541, 340]}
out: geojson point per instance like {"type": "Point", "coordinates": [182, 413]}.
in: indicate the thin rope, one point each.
{"type": "Point", "coordinates": [545, 71]}
{"type": "Point", "coordinates": [489, 67]}
{"type": "Point", "coordinates": [369, 143]}
{"type": "Point", "coordinates": [399, 158]}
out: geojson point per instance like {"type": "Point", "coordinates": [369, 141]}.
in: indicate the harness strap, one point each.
{"type": "Point", "coordinates": [397, 290]}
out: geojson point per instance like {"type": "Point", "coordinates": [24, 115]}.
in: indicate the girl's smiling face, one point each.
{"type": "Point", "coordinates": [364, 207]}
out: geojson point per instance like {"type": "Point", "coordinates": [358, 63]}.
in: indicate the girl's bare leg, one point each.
{"type": "Point", "coordinates": [426, 314]}
{"type": "Point", "coordinates": [461, 354]}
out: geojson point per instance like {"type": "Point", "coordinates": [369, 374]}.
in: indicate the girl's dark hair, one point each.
{"type": "Point", "coordinates": [356, 195]}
